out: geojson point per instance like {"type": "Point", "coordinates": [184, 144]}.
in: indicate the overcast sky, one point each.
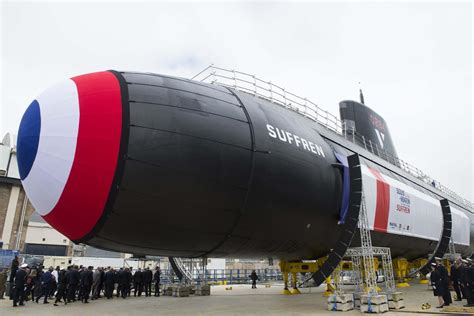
{"type": "Point", "coordinates": [414, 60]}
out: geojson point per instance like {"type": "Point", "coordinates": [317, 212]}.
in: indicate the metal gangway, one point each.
{"type": "Point", "coordinates": [280, 96]}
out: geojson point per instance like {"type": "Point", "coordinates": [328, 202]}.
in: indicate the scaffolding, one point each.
{"type": "Point", "coordinates": [356, 254]}
{"type": "Point", "coordinates": [366, 248]}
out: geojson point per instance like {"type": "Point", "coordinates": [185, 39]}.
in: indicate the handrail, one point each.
{"type": "Point", "coordinates": [271, 92]}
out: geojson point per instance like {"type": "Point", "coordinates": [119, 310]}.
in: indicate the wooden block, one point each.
{"type": "Point", "coordinates": [340, 307]}
{"type": "Point", "coordinates": [374, 299]}
{"type": "Point", "coordinates": [375, 309]}
{"type": "Point", "coordinates": [341, 298]}
{"type": "Point", "coordinates": [396, 304]}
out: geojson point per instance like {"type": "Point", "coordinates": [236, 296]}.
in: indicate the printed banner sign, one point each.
{"type": "Point", "coordinates": [396, 208]}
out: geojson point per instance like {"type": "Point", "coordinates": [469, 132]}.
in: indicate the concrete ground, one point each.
{"type": "Point", "coordinates": [241, 300]}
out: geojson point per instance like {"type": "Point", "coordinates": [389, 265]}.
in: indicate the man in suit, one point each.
{"type": "Point", "coordinates": [109, 283]}
{"type": "Point", "coordinates": [73, 282]}
{"type": "Point", "coordinates": [126, 280]}
{"type": "Point", "coordinates": [86, 284]}
{"type": "Point", "coordinates": [46, 282]}
{"type": "Point", "coordinates": [20, 282]}
{"type": "Point", "coordinates": [147, 278]}
{"type": "Point", "coordinates": [138, 282]}
{"type": "Point", "coordinates": [62, 288]}
{"type": "Point", "coordinates": [156, 279]}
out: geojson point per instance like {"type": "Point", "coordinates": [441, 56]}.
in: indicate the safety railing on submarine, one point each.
{"type": "Point", "coordinates": [269, 91]}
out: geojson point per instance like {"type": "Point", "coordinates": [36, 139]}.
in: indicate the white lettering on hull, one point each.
{"type": "Point", "coordinates": [292, 139]}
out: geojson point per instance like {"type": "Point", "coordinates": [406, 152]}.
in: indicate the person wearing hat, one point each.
{"type": "Point", "coordinates": [462, 277]}
{"type": "Point", "coordinates": [19, 289]}
{"type": "Point", "coordinates": [469, 283]}
{"type": "Point", "coordinates": [455, 278]}
{"type": "Point", "coordinates": [436, 284]}
{"type": "Point", "coordinates": [445, 281]}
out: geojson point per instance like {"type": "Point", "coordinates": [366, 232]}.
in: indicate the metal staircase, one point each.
{"type": "Point", "coordinates": [185, 271]}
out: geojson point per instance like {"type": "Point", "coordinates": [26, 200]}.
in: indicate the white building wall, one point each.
{"type": "Point", "coordinates": [42, 233]}
{"type": "Point", "coordinates": [215, 263]}
{"type": "Point", "coordinates": [10, 217]}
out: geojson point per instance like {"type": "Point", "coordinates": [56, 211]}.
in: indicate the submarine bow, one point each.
{"type": "Point", "coordinates": [150, 164]}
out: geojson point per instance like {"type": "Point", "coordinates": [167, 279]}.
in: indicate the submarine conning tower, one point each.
{"type": "Point", "coordinates": [365, 125]}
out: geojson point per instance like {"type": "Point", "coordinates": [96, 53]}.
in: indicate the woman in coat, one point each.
{"type": "Point", "coordinates": [437, 285]}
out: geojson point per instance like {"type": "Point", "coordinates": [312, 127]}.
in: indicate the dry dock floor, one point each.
{"type": "Point", "coordinates": [241, 300]}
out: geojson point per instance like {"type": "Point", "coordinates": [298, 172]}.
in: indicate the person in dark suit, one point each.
{"type": "Point", "coordinates": [445, 281]}
{"type": "Point", "coordinates": [19, 285]}
{"type": "Point", "coordinates": [254, 278]}
{"type": "Point", "coordinates": [462, 278]}
{"type": "Point", "coordinates": [156, 279]}
{"type": "Point", "coordinates": [46, 281]}
{"type": "Point", "coordinates": [118, 280]}
{"type": "Point", "coordinates": [62, 288]}
{"type": "Point", "coordinates": [138, 282]}
{"type": "Point", "coordinates": [147, 279]}
{"type": "Point", "coordinates": [455, 278]}
{"type": "Point", "coordinates": [469, 283]}
{"type": "Point", "coordinates": [13, 268]}
{"type": "Point", "coordinates": [86, 284]}
{"type": "Point", "coordinates": [436, 284]}
{"type": "Point", "coordinates": [102, 282]}
{"type": "Point", "coordinates": [109, 283]}
{"type": "Point", "coordinates": [73, 282]}
{"type": "Point", "coordinates": [125, 280]}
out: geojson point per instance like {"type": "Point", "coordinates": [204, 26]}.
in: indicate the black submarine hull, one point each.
{"type": "Point", "coordinates": [205, 170]}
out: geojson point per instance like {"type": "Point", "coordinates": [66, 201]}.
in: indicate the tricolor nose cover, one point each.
{"type": "Point", "coordinates": [68, 148]}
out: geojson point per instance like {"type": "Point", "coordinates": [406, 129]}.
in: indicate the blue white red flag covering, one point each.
{"type": "Point", "coordinates": [68, 146]}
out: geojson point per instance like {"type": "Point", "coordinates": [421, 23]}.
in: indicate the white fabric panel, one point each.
{"type": "Point", "coordinates": [369, 184]}
{"type": "Point", "coordinates": [411, 212]}
{"type": "Point", "coordinates": [461, 227]}
{"type": "Point", "coordinates": [425, 217]}
{"type": "Point", "coordinates": [59, 109]}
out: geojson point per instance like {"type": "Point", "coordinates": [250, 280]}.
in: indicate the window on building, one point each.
{"type": "Point", "coordinates": [45, 250]}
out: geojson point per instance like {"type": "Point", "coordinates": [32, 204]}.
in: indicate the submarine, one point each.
{"type": "Point", "coordinates": [152, 164]}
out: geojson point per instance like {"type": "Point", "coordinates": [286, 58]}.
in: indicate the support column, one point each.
{"type": "Point", "coordinates": [10, 217]}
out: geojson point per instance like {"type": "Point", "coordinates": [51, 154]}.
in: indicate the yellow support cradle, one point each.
{"type": "Point", "coordinates": [287, 267]}
{"type": "Point", "coordinates": [400, 267]}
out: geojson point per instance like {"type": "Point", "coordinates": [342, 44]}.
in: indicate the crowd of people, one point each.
{"type": "Point", "coordinates": [78, 283]}
{"type": "Point", "coordinates": [461, 277]}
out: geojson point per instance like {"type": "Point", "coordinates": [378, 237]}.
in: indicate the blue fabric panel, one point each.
{"type": "Point", "coordinates": [28, 138]}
